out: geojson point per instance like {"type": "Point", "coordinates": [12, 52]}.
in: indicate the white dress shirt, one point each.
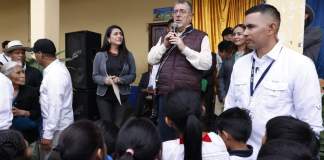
{"type": "Point", "coordinates": [152, 81]}
{"type": "Point", "coordinates": [291, 87]}
{"type": "Point", "coordinates": [4, 58]}
{"type": "Point", "coordinates": [200, 60]}
{"type": "Point", "coordinates": [56, 99]}
{"type": "Point", "coordinates": [6, 98]}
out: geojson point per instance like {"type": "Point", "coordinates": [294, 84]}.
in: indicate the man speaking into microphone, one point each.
{"type": "Point", "coordinates": [183, 54]}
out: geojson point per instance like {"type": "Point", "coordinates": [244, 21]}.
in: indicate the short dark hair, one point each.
{"type": "Point", "coordinates": [12, 145]}
{"type": "Point", "coordinates": [110, 132]}
{"type": "Point", "coordinates": [46, 46]}
{"type": "Point", "coordinates": [265, 9]}
{"type": "Point", "coordinates": [236, 122]}
{"type": "Point", "coordinates": [185, 2]}
{"type": "Point", "coordinates": [227, 31]}
{"type": "Point", "coordinates": [140, 135]}
{"type": "Point", "coordinates": [285, 148]}
{"type": "Point", "coordinates": [227, 46]}
{"type": "Point", "coordinates": [4, 43]}
{"type": "Point", "coordinates": [80, 141]}
{"type": "Point", "coordinates": [290, 128]}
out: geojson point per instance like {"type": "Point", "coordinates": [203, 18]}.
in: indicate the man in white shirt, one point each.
{"type": "Point", "coordinates": [6, 98]}
{"type": "Point", "coordinates": [273, 80]}
{"type": "Point", "coordinates": [55, 94]}
{"type": "Point", "coordinates": [182, 54]}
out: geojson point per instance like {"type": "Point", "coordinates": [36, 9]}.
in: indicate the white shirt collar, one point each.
{"type": "Point", "coordinates": [50, 66]}
{"type": "Point", "coordinates": [272, 54]}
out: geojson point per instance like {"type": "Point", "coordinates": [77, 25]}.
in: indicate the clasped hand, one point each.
{"type": "Point", "coordinates": [172, 38]}
{"type": "Point", "coordinates": [112, 79]}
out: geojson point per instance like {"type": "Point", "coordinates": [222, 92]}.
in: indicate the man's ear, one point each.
{"type": "Point", "coordinates": [168, 121]}
{"type": "Point", "coordinates": [224, 135]}
{"type": "Point", "coordinates": [273, 28]}
{"type": "Point", "coordinates": [100, 154]}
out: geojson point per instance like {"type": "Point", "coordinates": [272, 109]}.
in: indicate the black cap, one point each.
{"type": "Point", "coordinates": [44, 46]}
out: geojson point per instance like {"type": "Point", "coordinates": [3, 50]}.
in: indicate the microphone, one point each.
{"type": "Point", "coordinates": [174, 27]}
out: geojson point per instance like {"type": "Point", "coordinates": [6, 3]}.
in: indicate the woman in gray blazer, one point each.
{"type": "Point", "coordinates": [113, 64]}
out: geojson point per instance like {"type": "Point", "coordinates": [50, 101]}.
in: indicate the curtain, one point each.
{"type": "Point", "coordinates": [212, 16]}
{"type": "Point", "coordinates": [318, 7]}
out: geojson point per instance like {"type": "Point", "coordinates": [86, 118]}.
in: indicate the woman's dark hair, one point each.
{"type": "Point", "coordinates": [285, 148]}
{"type": "Point", "coordinates": [106, 45]}
{"type": "Point", "coordinates": [80, 141]}
{"type": "Point", "coordinates": [12, 145]}
{"type": "Point", "coordinates": [138, 139]}
{"type": "Point", "coordinates": [183, 107]}
{"type": "Point", "coordinates": [290, 128]}
{"type": "Point", "coordinates": [110, 133]}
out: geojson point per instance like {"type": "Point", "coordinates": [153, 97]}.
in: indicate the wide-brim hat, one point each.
{"type": "Point", "coordinates": [16, 44]}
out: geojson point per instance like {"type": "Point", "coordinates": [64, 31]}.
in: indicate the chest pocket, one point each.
{"type": "Point", "coordinates": [241, 92]}
{"type": "Point", "coordinates": [275, 93]}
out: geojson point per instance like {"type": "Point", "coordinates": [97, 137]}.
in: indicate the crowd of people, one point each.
{"type": "Point", "coordinates": [271, 96]}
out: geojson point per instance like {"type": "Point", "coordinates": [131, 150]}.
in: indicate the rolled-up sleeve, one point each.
{"type": "Point", "coordinates": [307, 97]}
{"type": "Point", "coordinates": [200, 60]}
{"type": "Point", "coordinates": [156, 53]}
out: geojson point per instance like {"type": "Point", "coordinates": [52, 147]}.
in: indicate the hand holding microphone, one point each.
{"type": "Point", "coordinates": [172, 39]}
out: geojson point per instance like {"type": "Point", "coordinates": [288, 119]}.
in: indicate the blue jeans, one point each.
{"type": "Point", "coordinates": [166, 132]}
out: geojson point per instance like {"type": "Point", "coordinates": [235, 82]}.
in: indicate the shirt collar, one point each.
{"type": "Point", "coordinates": [272, 54]}
{"type": "Point", "coordinates": [51, 65]}
{"type": "Point", "coordinates": [242, 153]}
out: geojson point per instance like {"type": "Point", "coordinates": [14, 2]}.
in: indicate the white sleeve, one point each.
{"type": "Point", "coordinates": [200, 60]}
{"type": "Point", "coordinates": [230, 99]}
{"type": "Point", "coordinates": [55, 103]}
{"type": "Point", "coordinates": [307, 96]}
{"type": "Point", "coordinates": [6, 98]}
{"type": "Point", "coordinates": [156, 52]}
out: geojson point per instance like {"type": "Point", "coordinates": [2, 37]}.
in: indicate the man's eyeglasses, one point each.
{"type": "Point", "coordinates": [180, 11]}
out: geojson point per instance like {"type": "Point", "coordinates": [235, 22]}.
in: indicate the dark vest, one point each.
{"type": "Point", "coordinates": [175, 71]}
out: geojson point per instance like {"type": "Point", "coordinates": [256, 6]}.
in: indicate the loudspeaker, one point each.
{"type": "Point", "coordinates": [85, 105]}
{"type": "Point", "coordinates": [80, 50]}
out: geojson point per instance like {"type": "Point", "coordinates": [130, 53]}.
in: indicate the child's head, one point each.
{"type": "Point", "coordinates": [290, 128]}
{"type": "Point", "coordinates": [82, 140]}
{"type": "Point", "coordinates": [183, 111]}
{"type": "Point", "coordinates": [234, 126]}
{"type": "Point", "coordinates": [109, 131]}
{"type": "Point", "coordinates": [287, 149]}
{"type": "Point", "coordinates": [12, 145]}
{"type": "Point", "coordinates": [138, 139]}
{"type": "Point", "coordinates": [226, 49]}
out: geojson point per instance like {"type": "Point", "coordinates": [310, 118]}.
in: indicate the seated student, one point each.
{"type": "Point", "coordinates": [285, 149]}
{"type": "Point", "coordinates": [235, 126]}
{"type": "Point", "coordinates": [290, 128]}
{"type": "Point", "coordinates": [110, 132]}
{"type": "Point", "coordinates": [12, 145]}
{"type": "Point", "coordinates": [183, 112]}
{"type": "Point", "coordinates": [138, 139]}
{"type": "Point", "coordinates": [81, 140]}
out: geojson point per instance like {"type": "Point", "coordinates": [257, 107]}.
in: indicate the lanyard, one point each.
{"type": "Point", "coordinates": [261, 78]}
{"type": "Point", "coordinates": [5, 57]}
